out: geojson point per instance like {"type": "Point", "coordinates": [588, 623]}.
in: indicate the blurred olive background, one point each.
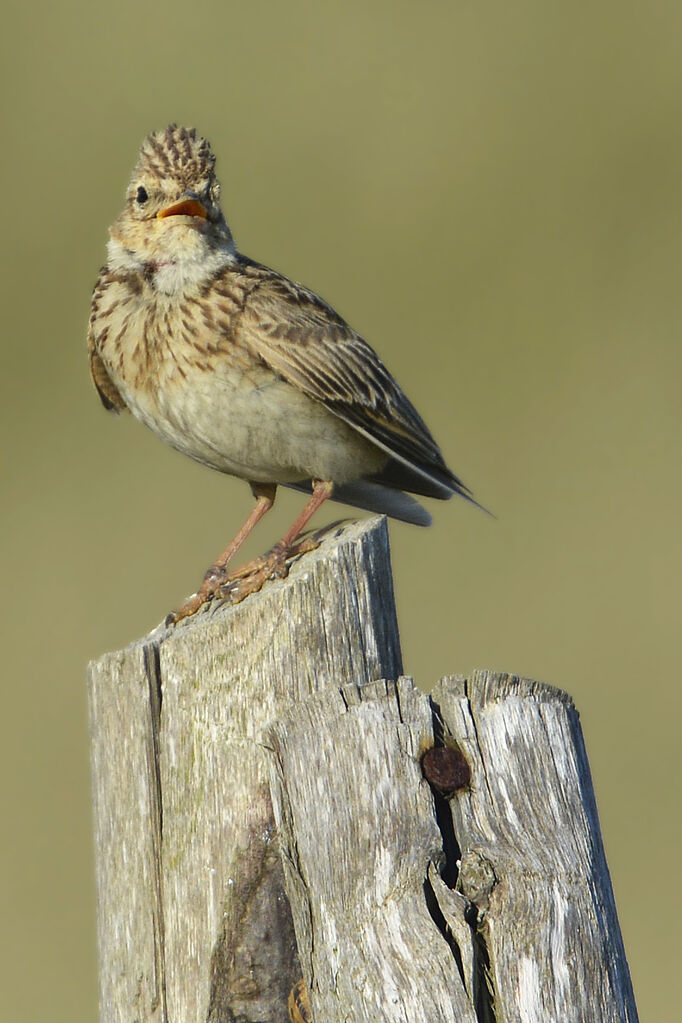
{"type": "Point", "coordinates": [492, 195]}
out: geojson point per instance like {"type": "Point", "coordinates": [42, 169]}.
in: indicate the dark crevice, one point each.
{"type": "Point", "coordinates": [152, 668]}
{"type": "Point", "coordinates": [152, 663]}
{"type": "Point", "coordinates": [437, 723]}
{"type": "Point", "coordinates": [452, 852]}
{"type": "Point", "coordinates": [397, 700]}
{"type": "Point", "coordinates": [440, 922]}
{"type": "Point", "coordinates": [484, 993]}
{"type": "Point", "coordinates": [484, 990]}
{"type": "Point", "coordinates": [449, 871]}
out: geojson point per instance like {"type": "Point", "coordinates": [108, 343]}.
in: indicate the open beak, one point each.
{"type": "Point", "coordinates": [184, 208]}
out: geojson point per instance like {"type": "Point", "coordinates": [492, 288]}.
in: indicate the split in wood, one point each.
{"type": "Point", "coordinates": [231, 766]}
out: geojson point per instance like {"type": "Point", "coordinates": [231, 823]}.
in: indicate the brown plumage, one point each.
{"type": "Point", "coordinates": [242, 369]}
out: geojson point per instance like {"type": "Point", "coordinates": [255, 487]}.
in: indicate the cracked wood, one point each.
{"type": "Point", "coordinates": [193, 923]}
{"type": "Point", "coordinates": [532, 858]}
{"type": "Point", "coordinates": [492, 905]}
{"type": "Point", "coordinates": [525, 929]}
{"type": "Point", "coordinates": [358, 833]}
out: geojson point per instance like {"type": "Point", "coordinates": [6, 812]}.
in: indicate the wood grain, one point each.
{"type": "Point", "coordinates": [193, 923]}
{"type": "Point", "coordinates": [358, 834]}
{"type": "Point", "coordinates": [547, 943]}
{"type": "Point", "coordinates": [485, 902]}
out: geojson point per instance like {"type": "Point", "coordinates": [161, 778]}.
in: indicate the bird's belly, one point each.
{"type": "Point", "coordinates": [252, 424]}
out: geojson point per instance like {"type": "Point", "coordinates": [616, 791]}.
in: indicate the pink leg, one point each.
{"type": "Point", "coordinates": [216, 574]}
{"type": "Point", "coordinates": [250, 577]}
{"type": "Point", "coordinates": [321, 492]}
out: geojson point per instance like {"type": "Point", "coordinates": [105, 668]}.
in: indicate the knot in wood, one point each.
{"type": "Point", "coordinates": [477, 878]}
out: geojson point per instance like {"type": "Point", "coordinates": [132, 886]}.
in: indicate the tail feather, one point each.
{"type": "Point", "coordinates": [434, 481]}
{"type": "Point", "coordinates": [377, 498]}
{"type": "Point", "coordinates": [437, 481]}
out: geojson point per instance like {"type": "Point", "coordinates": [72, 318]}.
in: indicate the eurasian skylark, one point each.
{"type": "Point", "coordinates": [242, 369]}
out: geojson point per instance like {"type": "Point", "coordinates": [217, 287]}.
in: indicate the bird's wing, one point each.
{"type": "Point", "coordinates": [109, 395]}
{"type": "Point", "coordinates": [306, 341]}
{"type": "Point", "coordinates": [108, 392]}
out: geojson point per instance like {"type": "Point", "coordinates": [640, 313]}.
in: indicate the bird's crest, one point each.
{"type": "Point", "coordinates": [177, 153]}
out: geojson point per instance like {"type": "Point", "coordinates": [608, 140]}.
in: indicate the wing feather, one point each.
{"type": "Point", "coordinates": [107, 390]}
{"type": "Point", "coordinates": [302, 338]}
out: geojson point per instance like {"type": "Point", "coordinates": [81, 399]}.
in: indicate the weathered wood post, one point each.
{"type": "Point", "coordinates": [491, 900]}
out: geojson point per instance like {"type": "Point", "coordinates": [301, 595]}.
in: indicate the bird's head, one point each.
{"type": "Point", "coordinates": [172, 227]}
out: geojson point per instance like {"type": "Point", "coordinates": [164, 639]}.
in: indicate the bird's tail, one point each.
{"type": "Point", "coordinates": [377, 498]}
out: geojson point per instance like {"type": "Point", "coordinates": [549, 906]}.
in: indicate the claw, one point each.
{"type": "Point", "coordinates": [215, 576]}
{"type": "Point", "coordinates": [190, 607]}
{"type": "Point", "coordinates": [251, 578]}
{"type": "Point", "coordinates": [235, 586]}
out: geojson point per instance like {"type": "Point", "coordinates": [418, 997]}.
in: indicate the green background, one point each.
{"type": "Point", "coordinates": [491, 194]}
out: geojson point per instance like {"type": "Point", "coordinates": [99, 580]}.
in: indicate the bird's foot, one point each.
{"type": "Point", "coordinates": [215, 577]}
{"type": "Point", "coordinates": [235, 586]}
{"type": "Point", "coordinates": [251, 577]}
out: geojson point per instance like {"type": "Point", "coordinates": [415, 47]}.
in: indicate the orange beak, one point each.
{"type": "Point", "coordinates": [184, 208]}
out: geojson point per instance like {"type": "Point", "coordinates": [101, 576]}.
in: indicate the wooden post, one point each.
{"type": "Point", "coordinates": [488, 902]}
{"type": "Point", "coordinates": [532, 860]}
{"type": "Point", "coordinates": [358, 833]}
{"type": "Point", "coordinates": [193, 924]}
{"type": "Point", "coordinates": [492, 901]}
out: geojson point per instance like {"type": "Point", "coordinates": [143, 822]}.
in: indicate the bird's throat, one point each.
{"type": "Point", "coordinates": [173, 273]}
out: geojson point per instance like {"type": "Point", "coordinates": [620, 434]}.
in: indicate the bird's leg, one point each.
{"type": "Point", "coordinates": [250, 577]}
{"type": "Point", "coordinates": [322, 490]}
{"type": "Point", "coordinates": [216, 574]}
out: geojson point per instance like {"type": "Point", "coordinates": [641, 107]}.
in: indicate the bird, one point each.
{"type": "Point", "coordinates": [244, 370]}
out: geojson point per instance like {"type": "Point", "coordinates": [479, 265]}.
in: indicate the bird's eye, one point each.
{"type": "Point", "coordinates": [141, 196]}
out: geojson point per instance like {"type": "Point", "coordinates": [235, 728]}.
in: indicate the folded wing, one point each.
{"type": "Point", "coordinates": [306, 342]}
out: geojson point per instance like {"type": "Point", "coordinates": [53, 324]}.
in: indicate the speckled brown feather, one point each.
{"type": "Point", "coordinates": [108, 393]}
{"type": "Point", "coordinates": [236, 365]}
{"type": "Point", "coordinates": [296, 333]}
